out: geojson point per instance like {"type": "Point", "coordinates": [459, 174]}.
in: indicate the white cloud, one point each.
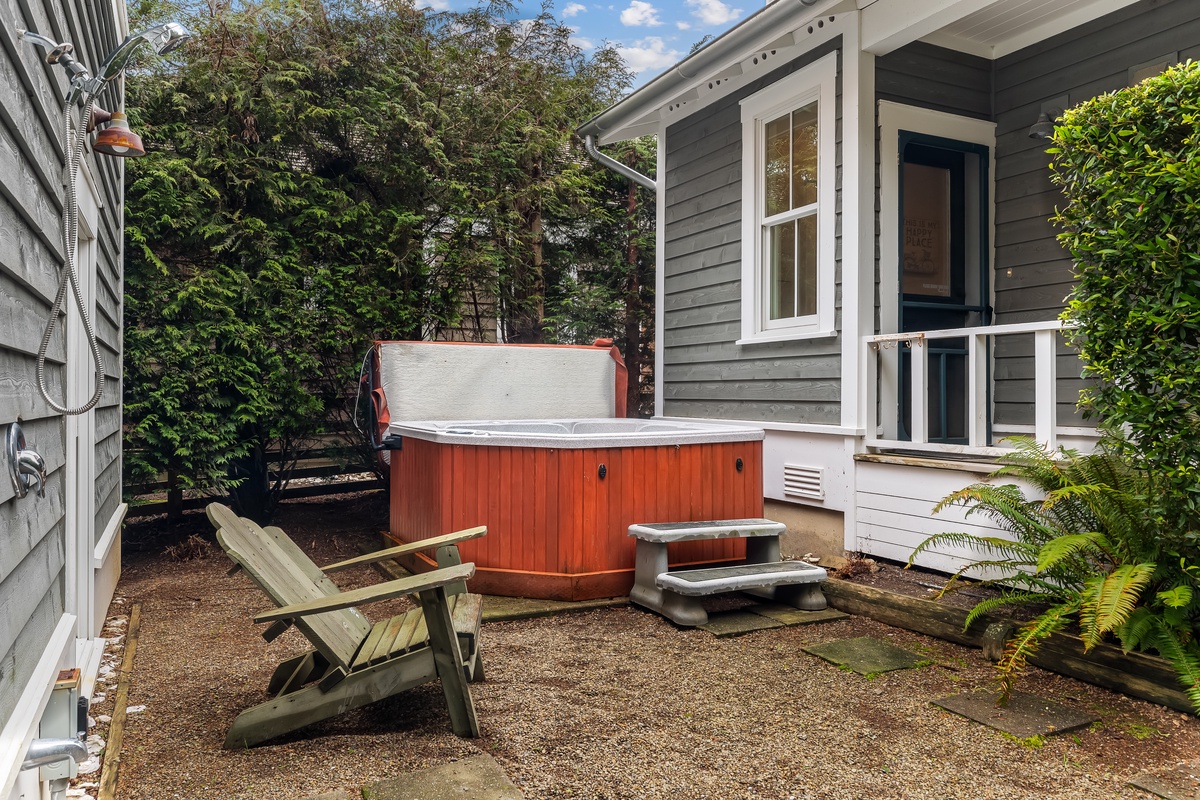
{"type": "Point", "coordinates": [572, 9]}
{"type": "Point", "coordinates": [582, 42]}
{"type": "Point", "coordinates": [436, 5]}
{"type": "Point", "coordinates": [683, 25]}
{"type": "Point", "coordinates": [640, 13]}
{"type": "Point", "coordinates": [648, 53]}
{"type": "Point", "coordinates": [713, 12]}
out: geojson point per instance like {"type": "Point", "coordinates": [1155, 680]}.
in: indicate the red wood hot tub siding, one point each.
{"type": "Point", "coordinates": [555, 529]}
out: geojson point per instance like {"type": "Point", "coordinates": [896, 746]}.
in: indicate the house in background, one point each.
{"type": "Point", "coordinates": [59, 554]}
{"type": "Point", "coordinates": [854, 249]}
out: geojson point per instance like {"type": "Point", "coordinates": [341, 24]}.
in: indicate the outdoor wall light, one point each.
{"type": "Point", "coordinates": [1043, 128]}
{"type": "Point", "coordinates": [118, 140]}
{"type": "Point", "coordinates": [1049, 111]}
{"type": "Point", "coordinates": [99, 117]}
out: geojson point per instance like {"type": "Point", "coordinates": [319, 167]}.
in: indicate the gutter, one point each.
{"type": "Point", "coordinates": [617, 166]}
{"type": "Point", "coordinates": [742, 38]}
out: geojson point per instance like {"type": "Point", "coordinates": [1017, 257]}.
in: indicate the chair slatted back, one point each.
{"type": "Point", "coordinates": [288, 576]}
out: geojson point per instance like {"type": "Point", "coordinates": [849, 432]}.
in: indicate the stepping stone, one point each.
{"type": "Point", "coordinates": [866, 655]}
{"type": "Point", "coordinates": [1177, 783]}
{"type": "Point", "coordinates": [1025, 715]}
{"type": "Point", "coordinates": [475, 778]}
{"type": "Point", "coordinates": [737, 623]}
{"type": "Point", "coordinates": [794, 616]}
{"type": "Point", "coordinates": [500, 609]}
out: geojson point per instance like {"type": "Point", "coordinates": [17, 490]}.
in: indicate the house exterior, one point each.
{"type": "Point", "coordinates": [59, 554]}
{"type": "Point", "coordinates": [854, 249]}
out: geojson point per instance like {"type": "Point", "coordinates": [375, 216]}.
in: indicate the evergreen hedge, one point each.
{"type": "Point", "coordinates": [1128, 164]}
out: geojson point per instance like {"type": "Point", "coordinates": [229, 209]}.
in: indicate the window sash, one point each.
{"type": "Point", "coordinates": [805, 105]}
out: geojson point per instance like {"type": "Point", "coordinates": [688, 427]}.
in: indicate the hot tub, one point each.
{"type": "Point", "coordinates": [558, 495]}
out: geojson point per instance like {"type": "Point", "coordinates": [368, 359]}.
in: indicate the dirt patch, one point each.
{"type": "Point", "coordinates": [614, 703]}
{"type": "Point", "coordinates": [913, 582]}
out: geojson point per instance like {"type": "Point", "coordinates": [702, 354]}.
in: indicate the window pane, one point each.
{"type": "Point", "coordinates": [806, 265]}
{"type": "Point", "coordinates": [804, 155]}
{"type": "Point", "coordinates": [782, 255]}
{"type": "Point", "coordinates": [777, 200]}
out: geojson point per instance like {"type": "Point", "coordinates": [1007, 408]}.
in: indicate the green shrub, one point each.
{"type": "Point", "coordinates": [1128, 164]}
{"type": "Point", "coordinates": [1088, 553]}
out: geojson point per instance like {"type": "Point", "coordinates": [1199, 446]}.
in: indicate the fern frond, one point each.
{"type": "Point", "coordinates": [987, 544]}
{"type": "Point", "coordinates": [1072, 545]}
{"type": "Point", "coordinates": [1176, 597]}
{"type": "Point", "coordinates": [1006, 600]}
{"type": "Point", "coordinates": [1026, 642]}
{"type": "Point", "coordinates": [1109, 600]}
{"type": "Point", "coordinates": [1184, 657]}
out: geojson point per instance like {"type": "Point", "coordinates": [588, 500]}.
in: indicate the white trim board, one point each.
{"type": "Point", "coordinates": [660, 270]}
{"type": "Point", "coordinates": [109, 537]}
{"type": "Point", "coordinates": [813, 82]}
{"type": "Point", "coordinates": [22, 725]}
{"type": "Point", "coordinates": [893, 118]}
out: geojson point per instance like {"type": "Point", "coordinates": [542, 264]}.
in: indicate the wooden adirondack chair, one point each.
{"type": "Point", "coordinates": [353, 662]}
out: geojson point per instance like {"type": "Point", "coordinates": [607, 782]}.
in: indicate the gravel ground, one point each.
{"type": "Point", "coordinates": [616, 704]}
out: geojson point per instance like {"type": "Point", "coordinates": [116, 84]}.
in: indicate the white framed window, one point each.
{"type": "Point", "coordinates": [788, 215]}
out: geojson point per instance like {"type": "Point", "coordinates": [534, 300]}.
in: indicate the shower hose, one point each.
{"type": "Point", "coordinates": [73, 150]}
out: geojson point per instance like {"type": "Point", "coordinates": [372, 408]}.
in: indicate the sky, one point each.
{"type": "Point", "coordinates": [651, 34]}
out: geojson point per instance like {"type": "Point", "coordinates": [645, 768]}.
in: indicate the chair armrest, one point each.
{"type": "Point", "coordinates": [412, 547]}
{"type": "Point", "coordinates": [371, 594]}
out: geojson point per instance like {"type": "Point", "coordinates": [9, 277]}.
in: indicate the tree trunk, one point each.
{"type": "Point", "coordinates": [529, 286]}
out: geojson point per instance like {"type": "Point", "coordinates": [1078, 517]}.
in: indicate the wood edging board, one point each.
{"type": "Point", "coordinates": [116, 729]}
{"type": "Point", "coordinates": [1145, 677]}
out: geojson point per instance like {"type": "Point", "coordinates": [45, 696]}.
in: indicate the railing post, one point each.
{"type": "Point", "coordinates": [919, 424]}
{"type": "Point", "coordinates": [1045, 399]}
{"type": "Point", "coordinates": [977, 390]}
{"type": "Point", "coordinates": [872, 359]}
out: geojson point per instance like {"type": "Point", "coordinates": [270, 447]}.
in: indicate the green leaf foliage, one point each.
{"type": "Point", "coordinates": [324, 173]}
{"type": "Point", "coordinates": [1128, 163]}
{"type": "Point", "coordinates": [1089, 552]}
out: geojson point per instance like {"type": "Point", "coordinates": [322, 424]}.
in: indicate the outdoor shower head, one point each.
{"type": "Point", "coordinates": [164, 38]}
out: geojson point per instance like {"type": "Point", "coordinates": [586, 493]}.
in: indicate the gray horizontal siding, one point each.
{"type": "Point", "coordinates": [1033, 274]}
{"type": "Point", "coordinates": [933, 77]}
{"type": "Point", "coordinates": [705, 373]}
{"type": "Point", "coordinates": [32, 549]}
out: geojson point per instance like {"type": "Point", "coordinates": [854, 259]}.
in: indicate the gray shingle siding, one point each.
{"type": "Point", "coordinates": [705, 373]}
{"type": "Point", "coordinates": [32, 549]}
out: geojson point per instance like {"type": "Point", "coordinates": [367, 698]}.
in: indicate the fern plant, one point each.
{"type": "Point", "coordinates": [1090, 551]}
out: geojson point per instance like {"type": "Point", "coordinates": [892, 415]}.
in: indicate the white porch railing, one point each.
{"type": "Point", "coordinates": [884, 386]}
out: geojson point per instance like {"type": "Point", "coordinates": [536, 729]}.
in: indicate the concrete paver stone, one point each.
{"type": "Point", "coordinates": [1181, 782]}
{"type": "Point", "coordinates": [867, 655]}
{"type": "Point", "coordinates": [794, 616]}
{"type": "Point", "coordinates": [474, 778]}
{"type": "Point", "coordinates": [498, 609]}
{"type": "Point", "coordinates": [1025, 715]}
{"type": "Point", "coordinates": [736, 623]}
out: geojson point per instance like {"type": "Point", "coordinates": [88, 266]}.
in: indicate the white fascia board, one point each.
{"type": "Point", "coordinates": [641, 109]}
{"type": "Point", "coordinates": [890, 24]}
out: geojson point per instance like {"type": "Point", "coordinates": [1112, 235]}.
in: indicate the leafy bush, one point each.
{"type": "Point", "coordinates": [1128, 164]}
{"type": "Point", "coordinates": [304, 194]}
{"type": "Point", "coordinates": [1088, 553]}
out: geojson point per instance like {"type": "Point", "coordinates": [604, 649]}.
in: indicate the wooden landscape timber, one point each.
{"type": "Point", "coordinates": [1139, 675]}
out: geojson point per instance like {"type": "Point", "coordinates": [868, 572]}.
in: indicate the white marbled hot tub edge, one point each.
{"type": "Point", "coordinates": [575, 434]}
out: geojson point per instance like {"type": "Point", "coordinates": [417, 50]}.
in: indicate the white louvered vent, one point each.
{"type": "Point", "coordinates": [803, 481]}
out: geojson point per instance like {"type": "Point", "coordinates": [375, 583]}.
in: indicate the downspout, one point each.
{"type": "Point", "coordinates": [617, 166]}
